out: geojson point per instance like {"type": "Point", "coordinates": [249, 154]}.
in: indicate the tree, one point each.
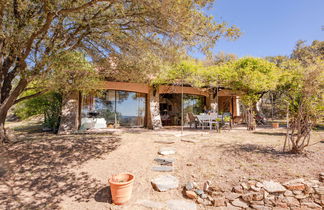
{"type": "Point", "coordinates": [305, 99]}
{"type": "Point", "coordinates": [301, 87]}
{"type": "Point", "coordinates": [35, 32]}
{"type": "Point", "coordinates": [253, 77]}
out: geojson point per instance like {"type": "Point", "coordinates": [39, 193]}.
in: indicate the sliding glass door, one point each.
{"type": "Point", "coordinates": [114, 108]}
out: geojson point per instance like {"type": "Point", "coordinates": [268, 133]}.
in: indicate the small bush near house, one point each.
{"type": "Point", "coordinates": [48, 104]}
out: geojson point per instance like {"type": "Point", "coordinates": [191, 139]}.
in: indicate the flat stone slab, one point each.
{"type": "Point", "coordinates": [167, 151]}
{"type": "Point", "coordinates": [181, 205]}
{"type": "Point", "coordinates": [190, 140]}
{"type": "Point", "coordinates": [165, 161]}
{"type": "Point", "coordinates": [164, 183]}
{"type": "Point", "coordinates": [165, 141]}
{"type": "Point", "coordinates": [272, 187]}
{"type": "Point", "coordinates": [151, 204]}
{"type": "Point", "coordinates": [162, 168]}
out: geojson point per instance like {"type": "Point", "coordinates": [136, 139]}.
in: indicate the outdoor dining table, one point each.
{"type": "Point", "coordinates": [209, 120]}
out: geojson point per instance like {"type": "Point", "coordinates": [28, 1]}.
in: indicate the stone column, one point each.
{"type": "Point", "coordinates": [153, 111]}
{"type": "Point", "coordinates": [70, 114]}
{"type": "Point", "coordinates": [213, 101]}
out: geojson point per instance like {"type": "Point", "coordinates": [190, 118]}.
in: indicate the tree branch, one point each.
{"type": "Point", "coordinates": [30, 96]}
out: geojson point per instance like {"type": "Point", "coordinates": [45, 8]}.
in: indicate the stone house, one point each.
{"type": "Point", "coordinates": [128, 104]}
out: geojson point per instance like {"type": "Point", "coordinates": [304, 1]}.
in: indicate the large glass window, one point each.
{"type": "Point", "coordinates": [110, 108]}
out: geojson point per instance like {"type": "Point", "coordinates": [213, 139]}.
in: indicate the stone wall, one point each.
{"type": "Point", "coordinates": [70, 114]}
{"type": "Point", "coordinates": [297, 194]}
{"type": "Point", "coordinates": [153, 109]}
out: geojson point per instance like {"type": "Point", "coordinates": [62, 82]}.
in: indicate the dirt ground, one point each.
{"type": "Point", "coordinates": [47, 171]}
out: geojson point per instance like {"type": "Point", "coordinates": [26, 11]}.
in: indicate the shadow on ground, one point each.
{"type": "Point", "coordinates": [239, 149]}
{"type": "Point", "coordinates": [36, 171]}
{"type": "Point", "coordinates": [103, 195]}
{"type": "Point", "coordinates": [270, 133]}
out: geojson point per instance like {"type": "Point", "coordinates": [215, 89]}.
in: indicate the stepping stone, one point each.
{"type": "Point", "coordinates": [167, 151]}
{"type": "Point", "coordinates": [181, 205]}
{"type": "Point", "coordinates": [165, 161]}
{"type": "Point", "coordinates": [164, 183]}
{"type": "Point", "coordinates": [165, 141]}
{"type": "Point", "coordinates": [151, 204]}
{"type": "Point", "coordinates": [190, 140]}
{"type": "Point", "coordinates": [162, 168]}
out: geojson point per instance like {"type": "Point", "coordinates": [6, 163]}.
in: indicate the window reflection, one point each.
{"type": "Point", "coordinates": [110, 108]}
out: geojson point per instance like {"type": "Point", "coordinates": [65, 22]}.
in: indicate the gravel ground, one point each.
{"type": "Point", "coordinates": [47, 171]}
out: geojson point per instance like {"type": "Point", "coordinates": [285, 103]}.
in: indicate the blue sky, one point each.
{"type": "Point", "coordinates": [269, 27]}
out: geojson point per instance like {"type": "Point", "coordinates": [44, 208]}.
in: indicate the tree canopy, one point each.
{"type": "Point", "coordinates": [34, 32]}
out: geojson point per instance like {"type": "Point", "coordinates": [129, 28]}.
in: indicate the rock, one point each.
{"type": "Point", "coordinates": [232, 196]}
{"type": "Point", "coordinates": [200, 200]}
{"type": "Point", "coordinates": [165, 161]}
{"type": "Point", "coordinates": [203, 196]}
{"type": "Point", "coordinates": [308, 189]}
{"type": "Point", "coordinates": [219, 201]}
{"type": "Point", "coordinates": [319, 190]}
{"type": "Point", "coordinates": [311, 205]}
{"type": "Point", "coordinates": [238, 203]}
{"type": "Point", "coordinates": [255, 189]}
{"type": "Point", "coordinates": [260, 207]}
{"type": "Point", "coordinates": [206, 186]}
{"type": "Point", "coordinates": [189, 186]}
{"type": "Point", "coordinates": [191, 194]}
{"type": "Point", "coordinates": [292, 202]}
{"type": "Point", "coordinates": [259, 184]}
{"type": "Point", "coordinates": [321, 174]}
{"type": "Point", "coordinates": [257, 202]}
{"type": "Point", "coordinates": [199, 192]}
{"type": "Point", "coordinates": [162, 168]}
{"type": "Point", "coordinates": [245, 186]}
{"type": "Point", "coordinates": [288, 193]}
{"type": "Point", "coordinates": [295, 186]}
{"type": "Point", "coordinates": [189, 164]}
{"type": "Point", "coordinates": [282, 205]}
{"type": "Point", "coordinates": [247, 197]}
{"type": "Point", "coordinates": [237, 189]}
{"type": "Point", "coordinates": [151, 204]}
{"type": "Point", "coordinates": [165, 182]}
{"type": "Point", "coordinates": [165, 141]}
{"type": "Point", "coordinates": [301, 196]}
{"type": "Point", "coordinates": [181, 205]}
{"type": "Point", "coordinates": [273, 187]}
{"type": "Point", "coordinates": [216, 188]}
{"type": "Point", "coordinates": [297, 192]}
{"type": "Point", "coordinates": [167, 151]}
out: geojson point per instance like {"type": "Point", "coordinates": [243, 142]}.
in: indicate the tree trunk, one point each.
{"type": "Point", "coordinates": [3, 136]}
{"type": "Point", "coordinates": [7, 104]}
{"type": "Point", "coordinates": [250, 120]}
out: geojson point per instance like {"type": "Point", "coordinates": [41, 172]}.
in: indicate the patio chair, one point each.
{"type": "Point", "coordinates": [227, 120]}
{"type": "Point", "coordinates": [260, 120]}
{"type": "Point", "coordinates": [192, 119]}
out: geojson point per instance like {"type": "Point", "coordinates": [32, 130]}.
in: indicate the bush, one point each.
{"type": "Point", "coordinates": [48, 104]}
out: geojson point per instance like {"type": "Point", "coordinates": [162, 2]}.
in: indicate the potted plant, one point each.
{"type": "Point", "coordinates": [121, 187]}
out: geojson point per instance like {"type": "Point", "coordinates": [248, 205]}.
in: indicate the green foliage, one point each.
{"type": "Point", "coordinates": [69, 72]}
{"type": "Point", "coordinates": [48, 104]}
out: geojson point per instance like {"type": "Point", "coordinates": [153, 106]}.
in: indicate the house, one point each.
{"type": "Point", "coordinates": [128, 104]}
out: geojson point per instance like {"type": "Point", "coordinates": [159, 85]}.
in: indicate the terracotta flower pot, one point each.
{"type": "Point", "coordinates": [121, 187]}
{"type": "Point", "coordinates": [275, 125]}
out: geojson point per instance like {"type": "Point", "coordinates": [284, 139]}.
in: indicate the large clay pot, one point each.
{"type": "Point", "coordinates": [121, 187]}
{"type": "Point", "coordinates": [275, 125]}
